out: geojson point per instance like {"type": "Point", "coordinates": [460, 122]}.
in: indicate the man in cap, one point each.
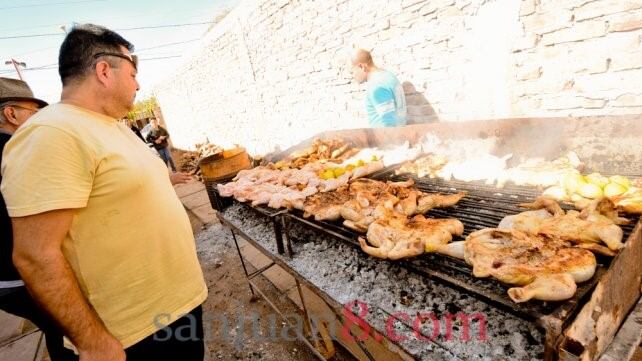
{"type": "Point", "coordinates": [17, 104]}
{"type": "Point", "coordinates": [101, 239]}
{"type": "Point", "coordinates": [385, 99]}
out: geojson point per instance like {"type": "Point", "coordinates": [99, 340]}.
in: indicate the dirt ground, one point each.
{"type": "Point", "coordinates": [230, 299]}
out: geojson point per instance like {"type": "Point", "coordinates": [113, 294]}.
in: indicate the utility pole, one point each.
{"type": "Point", "coordinates": [15, 65]}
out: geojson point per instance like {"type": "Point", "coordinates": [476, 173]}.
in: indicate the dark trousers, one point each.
{"type": "Point", "coordinates": [182, 340]}
{"type": "Point", "coordinates": [166, 156]}
{"type": "Point", "coordinates": [18, 301]}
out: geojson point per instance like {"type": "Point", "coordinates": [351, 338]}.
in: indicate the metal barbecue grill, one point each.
{"type": "Point", "coordinates": [220, 203]}
{"type": "Point", "coordinates": [483, 207]}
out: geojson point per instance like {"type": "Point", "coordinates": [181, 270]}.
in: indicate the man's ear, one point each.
{"type": "Point", "coordinates": [10, 115]}
{"type": "Point", "coordinates": [103, 72]}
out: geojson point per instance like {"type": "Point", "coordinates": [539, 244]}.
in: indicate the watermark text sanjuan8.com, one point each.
{"type": "Point", "coordinates": [425, 326]}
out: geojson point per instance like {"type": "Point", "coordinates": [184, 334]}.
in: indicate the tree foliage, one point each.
{"type": "Point", "coordinates": [145, 107]}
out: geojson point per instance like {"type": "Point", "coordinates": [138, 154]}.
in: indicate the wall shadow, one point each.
{"type": "Point", "coordinates": [419, 109]}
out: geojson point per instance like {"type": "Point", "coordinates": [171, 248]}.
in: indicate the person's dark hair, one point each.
{"type": "Point", "coordinates": [76, 58]}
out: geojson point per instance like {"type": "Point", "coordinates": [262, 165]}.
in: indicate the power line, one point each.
{"type": "Point", "coordinates": [137, 50]}
{"type": "Point", "coordinates": [166, 45]}
{"type": "Point", "coordinates": [138, 16]}
{"type": "Point", "coordinates": [55, 65]}
{"type": "Point", "coordinates": [124, 29]}
{"type": "Point", "coordinates": [49, 4]}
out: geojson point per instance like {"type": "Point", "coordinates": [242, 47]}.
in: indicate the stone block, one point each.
{"type": "Point", "coordinates": [527, 7]}
{"type": "Point", "coordinates": [622, 81]}
{"type": "Point", "coordinates": [599, 8]}
{"type": "Point", "coordinates": [589, 103]}
{"type": "Point", "coordinates": [562, 102]}
{"type": "Point", "coordinates": [448, 12]}
{"type": "Point", "coordinates": [579, 31]}
{"type": "Point", "coordinates": [541, 23]}
{"type": "Point", "coordinates": [626, 22]}
{"type": "Point", "coordinates": [529, 72]}
{"type": "Point", "coordinates": [409, 3]}
{"type": "Point", "coordinates": [434, 5]}
{"type": "Point", "coordinates": [526, 42]}
{"type": "Point", "coordinates": [627, 100]}
{"type": "Point", "coordinates": [626, 61]}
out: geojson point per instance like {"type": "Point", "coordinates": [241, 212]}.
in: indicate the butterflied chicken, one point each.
{"type": "Point", "coordinates": [399, 196]}
{"type": "Point", "coordinates": [542, 267]}
{"type": "Point", "coordinates": [394, 236]}
{"type": "Point", "coordinates": [587, 227]}
{"type": "Point", "coordinates": [277, 189]}
{"type": "Point", "coordinates": [359, 212]}
{"type": "Point", "coordinates": [326, 206]}
{"type": "Point", "coordinates": [428, 201]}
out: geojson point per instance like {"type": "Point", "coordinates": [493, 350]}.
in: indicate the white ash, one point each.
{"type": "Point", "coordinates": [347, 274]}
{"type": "Point", "coordinates": [252, 223]}
{"type": "Point", "coordinates": [213, 243]}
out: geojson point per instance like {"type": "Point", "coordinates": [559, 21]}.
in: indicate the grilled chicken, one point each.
{"type": "Point", "coordinates": [601, 207]}
{"type": "Point", "coordinates": [393, 235]}
{"type": "Point", "coordinates": [326, 206]}
{"type": "Point", "coordinates": [428, 201]}
{"type": "Point", "coordinates": [288, 188]}
{"type": "Point", "coordinates": [359, 212]}
{"type": "Point", "coordinates": [399, 196]}
{"type": "Point", "coordinates": [586, 227]}
{"type": "Point", "coordinates": [543, 267]}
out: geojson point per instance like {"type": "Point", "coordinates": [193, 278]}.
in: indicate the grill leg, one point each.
{"type": "Point", "coordinates": [247, 276]}
{"type": "Point", "coordinates": [327, 350]}
{"type": "Point", "coordinates": [286, 236]}
{"type": "Point", "coordinates": [278, 234]}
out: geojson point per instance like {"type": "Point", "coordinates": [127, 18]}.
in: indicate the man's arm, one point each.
{"type": "Point", "coordinates": [384, 103]}
{"type": "Point", "coordinates": [38, 257]}
{"type": "Point", "coordinates": [149, 138]}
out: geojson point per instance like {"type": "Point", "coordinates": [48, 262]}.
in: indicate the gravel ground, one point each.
{"type": "Point", "coordinates": [229, 303]}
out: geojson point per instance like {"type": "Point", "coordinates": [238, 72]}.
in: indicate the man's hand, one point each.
{"type": "Point", "coordinates": [106, 348]}
{"type": "Point", "coordinates": [179, 178]}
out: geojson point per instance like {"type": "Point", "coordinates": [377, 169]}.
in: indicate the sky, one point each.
{"type": "Point", "coordinates": [162, 47]}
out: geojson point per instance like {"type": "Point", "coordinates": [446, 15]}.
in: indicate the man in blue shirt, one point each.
{"type": "Point", "coordinates": [385, 99]}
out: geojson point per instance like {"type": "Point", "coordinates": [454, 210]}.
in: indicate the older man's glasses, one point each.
{"type": "Point", "coordinates": [132, 59]}
{"type": "Point", "coordinates": [32, 110]}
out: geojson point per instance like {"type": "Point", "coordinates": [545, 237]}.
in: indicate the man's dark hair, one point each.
{"type": "Point", "coordinates": [76, 58]}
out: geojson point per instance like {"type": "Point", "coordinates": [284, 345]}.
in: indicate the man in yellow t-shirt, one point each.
{"type": "Point", "coordinates": [101, 240]}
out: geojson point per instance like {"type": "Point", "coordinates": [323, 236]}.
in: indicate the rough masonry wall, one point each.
{"type": "Point", "coordinates": [274, 72]}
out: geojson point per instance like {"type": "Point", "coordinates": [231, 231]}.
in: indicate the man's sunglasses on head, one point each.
{"type": "Point", "coordinates": [133, 59]}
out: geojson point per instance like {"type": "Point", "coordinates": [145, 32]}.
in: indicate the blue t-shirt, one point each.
{"type": "Point", "coordinates": [385, 100]}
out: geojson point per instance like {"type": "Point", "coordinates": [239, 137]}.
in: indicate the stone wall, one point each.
{"type": "Point", "coordinates": [274, 72]}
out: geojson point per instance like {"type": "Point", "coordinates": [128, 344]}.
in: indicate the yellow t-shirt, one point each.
{"type": "Point", "coordinates": [130, 244]}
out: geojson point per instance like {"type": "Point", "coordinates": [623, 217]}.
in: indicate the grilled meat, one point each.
{"type": "Point", "coordinates": [393, 235]}
{"type": "Point", "coordinates": [326, 206]}
{"type": "Point", "coordinates": [544, 267]}
{"type": "Point", "coordinates": [589, 226]}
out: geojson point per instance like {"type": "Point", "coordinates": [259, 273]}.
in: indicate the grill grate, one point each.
{"type": "Point", "coordinates": [483, 207]}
